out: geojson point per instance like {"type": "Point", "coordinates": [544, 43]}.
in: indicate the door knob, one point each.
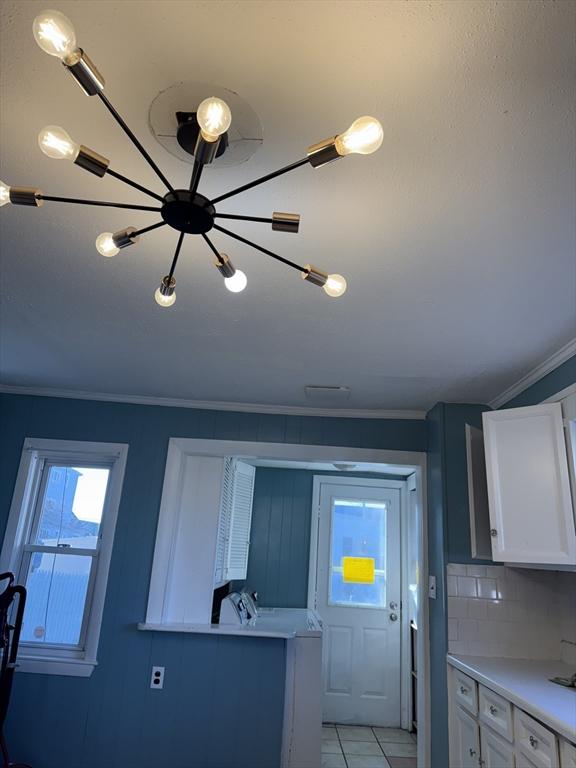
{"type": "Point", "coordinates": [393, 617]}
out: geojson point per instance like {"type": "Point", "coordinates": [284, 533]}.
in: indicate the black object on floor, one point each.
{"type": "Point", "coordinates": [12, 602]}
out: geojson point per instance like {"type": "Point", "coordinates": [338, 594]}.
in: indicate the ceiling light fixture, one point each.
{"type": "Point", "coordinates": [185, 210]}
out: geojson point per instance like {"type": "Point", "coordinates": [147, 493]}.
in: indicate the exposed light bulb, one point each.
{"type": "Point", "coordinates": [364, 136]}
{"type": "Point", "coordinates": [237, 282]}
{"type": "Point", "coordinates": [55, 142]}
{"type": "Point", "coordinates": [164, 301]}
{"type": "Point", "coordinates": [105, 245]}
{"type": "Point", "coordinates": [214, 118]}
{"type": "Point", "coordinates": [55, 34]}
{"type": "Point", "coordinates": [4, 194]}
{"type": "Point", "coordinates": [335, 286]}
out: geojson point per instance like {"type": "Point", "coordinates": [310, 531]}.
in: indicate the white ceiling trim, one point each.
{"type": "Point", "coordinates": [550, 364]}
{"type": "Point", "coordinates": [212, 405]}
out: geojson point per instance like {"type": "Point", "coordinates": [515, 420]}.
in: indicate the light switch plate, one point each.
{"type": "Point", "coordinates": [432, 587]}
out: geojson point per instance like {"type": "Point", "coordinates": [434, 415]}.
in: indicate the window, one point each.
{"type": "Point", "coordinates": [58, 544]}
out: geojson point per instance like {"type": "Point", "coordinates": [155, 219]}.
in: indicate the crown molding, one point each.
{"type": "Point", "coordinates": [550, 364]}
{"type": "Point", "coordinates": [213, 405]}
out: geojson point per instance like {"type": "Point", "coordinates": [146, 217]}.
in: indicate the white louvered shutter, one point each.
{"type": "Point", "coordinates": [224, 522]}
{"type": "Point", "coordinates": [241, 519]}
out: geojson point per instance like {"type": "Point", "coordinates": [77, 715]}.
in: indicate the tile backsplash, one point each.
{"type": "Point", "coordinates": [494, 610]}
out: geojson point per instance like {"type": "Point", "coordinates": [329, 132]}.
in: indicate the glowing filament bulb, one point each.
{"type": "Point", "coordinates": [164, 300]}
{"type": "Point", "coordinates": [364, 136]}
{"type": "Point", "coordinates": [214, 118]}
{"type": "Point", "coordinates": [4, 194]}
{"type": "Point", "coordinates": [335, 286]}
{"type": "Point", "coordinates": [105, 245]}
{"type": "Point", "coordinates": [55, 142]}
{"type": "Point", "coordinates": [237, 282]}
{"type": "Point", "coordinates": [55, 34]}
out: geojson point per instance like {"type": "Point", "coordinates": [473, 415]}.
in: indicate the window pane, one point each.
{"type": "Point", "coordinates": [358, 530]}
{"type": "Point", "coordinates": [72, 506]}
{"type": "Point", "coordinates": [57, 586]}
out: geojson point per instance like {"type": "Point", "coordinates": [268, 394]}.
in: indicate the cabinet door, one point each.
{"type": "Point", "coordinates": [496, 753]}
{"type": "Point", "coordinates": [224, 523]}
{"type": "Point", "coordinates": [240, 521]}
{"type": "Point", "coordinates": [531, 514]}
{"type": "Point", "coordinates": [466, 740]}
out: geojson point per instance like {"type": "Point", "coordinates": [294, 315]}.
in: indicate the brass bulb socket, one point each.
{"type": "Point", "coordinates": [167, 285]}
{"type": "Point", "coordinates": [225, 266]}
{"type": "Point", "coordinates": [91, 161]}
{"type": "Point", "coordinates": [323, 152]}
{"type": "Point", "coordinates": [125, 237]}
{"type": "Point", "coordinates": [25, 196]}
{"type": "Point", "coordinates": [205, 151]}
{"type": "Point", "coordinates": [84, 71]}
{"type": "Point", "coordinates": [285, 222]}
{"type": "Point", "coordinates": [314, 276]}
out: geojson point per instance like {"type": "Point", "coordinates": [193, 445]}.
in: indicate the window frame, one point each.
{"type": "Point", "coordinates": [37, 455]}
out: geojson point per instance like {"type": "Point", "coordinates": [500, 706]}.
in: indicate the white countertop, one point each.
{"type": "Point", "coordinates": [284, 623]}
{"type": "Point", "coordinates": [526, 684]}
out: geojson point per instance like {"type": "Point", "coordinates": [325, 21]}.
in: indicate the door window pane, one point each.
{"type": "Point", "coordinates": [72, 507]}
{"type": "Point", "coordinates": [358, 530]}
{"type": "Point", "coordinates": [57, 587]}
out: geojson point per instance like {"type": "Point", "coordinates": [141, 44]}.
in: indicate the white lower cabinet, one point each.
{"type": "Point", "coordinates": [496, 753]}
{"type": "Point", "coordinates": [491, 732]}
{"type": "Point", "coordinates": [466, 740]}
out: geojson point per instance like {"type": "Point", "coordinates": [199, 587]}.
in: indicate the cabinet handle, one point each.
{"type": "Point", "coordinates": [472, 752]}
{"type": "Point", "coordinates": [533, 742]}
{"type": "Point", "coordinates": [493, 709]}
{"type": "Point", "coordinates": [463, 690]}
{"type": "Point", "coordinates": [493, 532]}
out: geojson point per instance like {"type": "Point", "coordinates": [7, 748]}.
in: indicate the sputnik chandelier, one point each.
{"type": "Point", "coordinates": [185, 210]}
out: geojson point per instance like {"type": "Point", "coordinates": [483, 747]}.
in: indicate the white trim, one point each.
{"type": "Point", "coordinates": [537, 373]}
{"type": "Point", "coordinates": [74, 662]}
{"type": "Point", "coordinates": [564, 394]}
{"type": "Point", "coordinates": [214, 405]}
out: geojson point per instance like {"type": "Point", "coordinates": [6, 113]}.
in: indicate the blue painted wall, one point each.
{"type": "Point", "coordinates": [113, 719]}
{"type": "Point", "coordinates": [549, 385]}
{"type": "Point", "coordinates": [278, 564]}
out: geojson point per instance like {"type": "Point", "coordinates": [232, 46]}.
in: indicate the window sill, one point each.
{"type": "Point", "coordinates": [55, 666]}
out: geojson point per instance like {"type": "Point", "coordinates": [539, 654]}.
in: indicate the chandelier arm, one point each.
{"type": "Point", "coordinates": [176, 254]}
{"type": "Point", "coordinates": [264, 250]}
{"type": "Point", "coordinates": [148, 229]}
{"type": "Point", "coordinates": [196, 173]}
{"type": "Point", "coordinates": [243, 218]}
{"type": "Point", "coordinates": [78, 201]}
{"type": "Point", "coordinates": [134, 140]}
{"type": "Point", "coordinates": [262, 180]}
{"type": "Point", "coordinates": [213, 248]}
{"type": "Point", "coordinates": [134, 184]}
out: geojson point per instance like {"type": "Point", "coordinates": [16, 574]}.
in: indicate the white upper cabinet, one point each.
{"type": "Point", "coordinates": [530, 505]}
{"type": "Point", "coordinates": [235, 520]}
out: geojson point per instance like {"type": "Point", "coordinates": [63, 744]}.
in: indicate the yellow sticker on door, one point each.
{"type": "Point", "coordinates": [358, 570]}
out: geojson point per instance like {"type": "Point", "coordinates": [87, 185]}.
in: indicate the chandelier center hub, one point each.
{"type": "Point", "coordinates": [188, 212]}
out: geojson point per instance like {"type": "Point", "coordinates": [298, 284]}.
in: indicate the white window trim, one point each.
{"type": "Point", "coordinates": [62, 661]}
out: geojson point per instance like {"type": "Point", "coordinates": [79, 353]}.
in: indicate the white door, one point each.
{"type": "Point", "coordinates": [466, 741]}
{"type": "Point", "coordinates": [357, 594]}
{"type": "Point", "coordinates": [496, 753]}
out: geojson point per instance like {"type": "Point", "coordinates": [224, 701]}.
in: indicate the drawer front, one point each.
{"type": "Point", "coordinates": [534, 741]}
{"type": "Point", "coordinates": [465, 691]}
{"type": "Point", "coordinates": [567, 754]}
{"type": "Point", "coordinates": [496, 712]}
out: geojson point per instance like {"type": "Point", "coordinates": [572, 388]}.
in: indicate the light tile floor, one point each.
{"type": "Point", "coordinates": [351, 746]}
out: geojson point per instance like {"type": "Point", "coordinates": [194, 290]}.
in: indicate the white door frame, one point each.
{"type": "Point", "coordinates": [402, 486]}
{"type": "Point", "coordinates": [180, 447]}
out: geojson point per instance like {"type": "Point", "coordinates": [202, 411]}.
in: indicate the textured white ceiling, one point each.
{"type": "Point", "coordinates": [457, 237]}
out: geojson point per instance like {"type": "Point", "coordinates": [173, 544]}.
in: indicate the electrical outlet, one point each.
{"type": "Point", "coordinates": [432, 587]}
{"type": "Point", "coordinates": [157, 679]}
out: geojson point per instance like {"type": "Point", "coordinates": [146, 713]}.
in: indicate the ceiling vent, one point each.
{"type": "Point", "coordinates": [327, 394]}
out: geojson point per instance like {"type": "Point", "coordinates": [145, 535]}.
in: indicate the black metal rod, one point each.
{"type": "Point", "coordinates": [175, 259]}
{"type": "Point", "coordinates": [243, 218]}
{"type": "Point", "coordinates": [259, 248]}
{"type": "Point", "coordinates": [134, 184]}
{"type": "Point", "coordinates": [196, 173]}
{"type": "Point", "coordinates": [214, 249]}
{"type": "Point", "coordinates": [148, 229]}
{"type": "Point", "coordinates": [97, 202]}
{"type": "Point", "coordinates": [261, 180]}
{"type": "Point", "coordinates": [134, 140]}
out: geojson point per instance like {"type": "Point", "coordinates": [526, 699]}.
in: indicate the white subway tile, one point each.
{"type": "Point", "coordinates": [477, 609]}
{"type": "Point", "coordinates": [451, 586]}
{"type": "Point", "coordinates": [467, 629]}
{"type": "Point", "coordinates": [487, 589]}
{"type": "Point", "coordinates": [456, 569]}
{"type": "Point", "coordinates": [496, 610]}
{"type": "Point", "coordinates": [457, 608]}
{"type": "Point", "coordinates": [476, 570]}
{"type": "Point", "coordinates": [466, 586]}
{"type": "Point", "coordinates": [458, 646]}
{"type": "Point", "coordinates": [452, 629]}
{"type": "Point", "coordinates": [506, 589]}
